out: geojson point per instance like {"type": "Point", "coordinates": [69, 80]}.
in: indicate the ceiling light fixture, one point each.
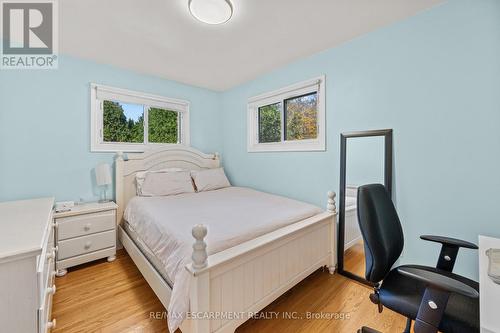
{"type": "Point", "coordinates": [211, 11]}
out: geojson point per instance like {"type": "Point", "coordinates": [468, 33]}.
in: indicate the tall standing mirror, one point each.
{"type": "Point", "coordinates": [365, 158]}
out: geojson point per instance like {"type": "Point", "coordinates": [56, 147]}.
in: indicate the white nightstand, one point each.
{"type": "Point", "coordinates": [86, 233]}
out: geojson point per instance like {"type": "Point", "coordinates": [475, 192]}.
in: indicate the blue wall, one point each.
{"type": "Point", "coordinates": [45, 126]}
{"type": "Point", "coordinates": [435, 79]}
{"type": "Point", "coordinates": [365, 160]}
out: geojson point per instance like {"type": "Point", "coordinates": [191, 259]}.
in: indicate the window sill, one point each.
{"type": "Point", "coordinates": [129, 148]}
{"type": "Point", "coordinates": [287, 147]}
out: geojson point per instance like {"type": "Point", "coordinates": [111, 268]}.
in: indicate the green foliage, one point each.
{"type": "Point", "coordinates": [301, 117]}
{"type": "Point", "coordinates": [162, 127]}
{"type": "Point", "coordinates": [270, 123]}
{"type": "Point", "coordinates": [136, 130]}
{"type": "Point", "coordinates": [117, 128]}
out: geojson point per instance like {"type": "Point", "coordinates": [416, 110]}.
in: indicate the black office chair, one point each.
{"type": "Point", "coordinates": [435, 298]}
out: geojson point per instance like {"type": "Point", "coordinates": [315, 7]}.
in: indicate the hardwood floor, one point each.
{"type": "Point", "coordinates": [114, 297]}
{"type": "Point", "coordinates": [106, 297]}
{"type": "Point", "coordinates": [354, 259]}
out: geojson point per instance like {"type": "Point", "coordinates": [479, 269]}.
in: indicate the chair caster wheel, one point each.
{"type": "Point", "coordinates": [375, 298]}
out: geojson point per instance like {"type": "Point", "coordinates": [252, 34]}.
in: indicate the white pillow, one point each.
{"type": "Point", "coordinates": [141, 176]}
{"type": "Point", "coordinates": [166, 183]}
{"type": "Point", "coordinates": [211, 179]}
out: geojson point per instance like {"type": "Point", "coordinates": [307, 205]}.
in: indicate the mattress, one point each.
{"type": "Point", "coordinates": [232, 215]}
{"type": "Point", "coordinates": [147, 252]}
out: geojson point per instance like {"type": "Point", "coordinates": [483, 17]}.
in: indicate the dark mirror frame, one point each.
{"type": "Point", "coordinates": [387, 134]}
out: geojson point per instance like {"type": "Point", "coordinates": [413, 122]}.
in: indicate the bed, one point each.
{"type": "Point", "coordinates": [250, 259]}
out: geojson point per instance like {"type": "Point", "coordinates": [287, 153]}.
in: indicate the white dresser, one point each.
{"type": "Point", "coordinates": [27, 269]}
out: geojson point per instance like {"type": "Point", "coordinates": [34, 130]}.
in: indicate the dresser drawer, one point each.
{"type": "Point", "coordinates": [85, 224]}
{"type": "Point", "coordinates": [86, 244]}
{"type": "Point", "coordinates": [45, 322]}
{"type": "Point", "coordinates": [46, 266]}
{"type": "Point", "coordinates": [46, 281]}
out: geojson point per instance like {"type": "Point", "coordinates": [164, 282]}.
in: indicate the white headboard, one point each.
{"type": "Point", "coordinates": [175, 156]}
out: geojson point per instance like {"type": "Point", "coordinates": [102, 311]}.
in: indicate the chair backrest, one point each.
{"type": "Point", "coordinates": [381, 230]}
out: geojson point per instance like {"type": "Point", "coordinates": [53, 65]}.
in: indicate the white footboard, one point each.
{"type": "Point", "coordinates": [230, 286]}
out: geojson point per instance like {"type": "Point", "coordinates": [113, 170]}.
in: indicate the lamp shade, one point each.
{"type": "Point", "coordinates": [103, 174]}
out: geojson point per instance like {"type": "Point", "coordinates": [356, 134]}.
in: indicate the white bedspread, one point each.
{"type": "Point", "coordinates": [232, 215]}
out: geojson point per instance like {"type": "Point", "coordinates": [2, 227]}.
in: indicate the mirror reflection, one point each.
{"type": "Point", "coordinates": [364, 165]}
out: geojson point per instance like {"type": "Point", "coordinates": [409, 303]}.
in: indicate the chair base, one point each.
{"type": "Point", "coordinates": [365, 329]}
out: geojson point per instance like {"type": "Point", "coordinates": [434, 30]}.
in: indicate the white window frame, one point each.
{"type": "Point", "coordinates": [97, 92]}
{"type": "Point", "coordinates": [279, 96]}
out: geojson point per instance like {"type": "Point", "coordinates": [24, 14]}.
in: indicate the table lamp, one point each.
{"type": "Point", "coordinates": [103, 178]}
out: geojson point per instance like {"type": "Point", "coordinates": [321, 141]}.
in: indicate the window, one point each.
{"type": "Point", "coordinates": [270, 123]}
{"type": "Point", "coordinates": [290, 119]}
{"type": "Point", "coordinates": [301, 117]}
{"type": "Point", "coordinates": [124, 120]}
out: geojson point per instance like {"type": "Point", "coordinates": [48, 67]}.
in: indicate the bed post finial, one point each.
{"type": "Point", "coordinates": [200, 255]}
{"type": "Point", "coordinates": [330, 206]}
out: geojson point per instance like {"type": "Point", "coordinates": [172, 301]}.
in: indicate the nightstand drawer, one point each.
{"type": "Point", "coordinates": [85, 224]}
{"type": "Point", "coordinates": [86, 244]}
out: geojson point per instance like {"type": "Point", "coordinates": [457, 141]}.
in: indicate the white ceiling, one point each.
{"type": "Point", "coordinates": [161, 38]}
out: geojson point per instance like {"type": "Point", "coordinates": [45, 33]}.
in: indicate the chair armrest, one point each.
{"type": "Point", "coordinates": [449, 241]}
{"type": "Point", "coordinates": [439, 281]}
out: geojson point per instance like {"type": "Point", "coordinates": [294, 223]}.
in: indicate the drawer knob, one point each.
{"type": "Point", "coordinates": [87, 245]}
{"type": "Point", "coordinates": [56, 248]}
{"type": "Point", "coordinates": [51, 290]}
{"type": "Point", "coordinates": [87, 227]}
{"type": "Point", "coordinates": [51, 324]}
{"type": "Point", "coordinates": [51, 255]}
